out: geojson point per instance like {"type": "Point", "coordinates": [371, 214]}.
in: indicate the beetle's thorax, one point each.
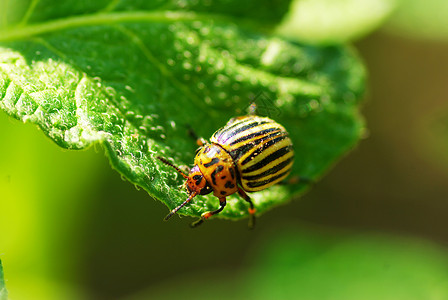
{"type": "Point", "coordinates": [217, 167]}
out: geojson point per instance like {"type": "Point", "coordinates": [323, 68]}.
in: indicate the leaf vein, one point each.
{"type": "Point", "coordinates": [164, 70]}
{"type": "Point", "coordinates": [113, 102]}
{"type": "Point", "coordinates": [21, 32]}
{"type": "Point", "coordinates": [29, 12]}
{"type": "Point", "coordinates": [4, 13]}
{"type": "Point", "coordinates": [111, 6]}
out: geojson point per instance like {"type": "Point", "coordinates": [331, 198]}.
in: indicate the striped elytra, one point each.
{"type": "Point", "coordinates": [248, 154]}
{"type": "Point", "coordinates": [260, 148]}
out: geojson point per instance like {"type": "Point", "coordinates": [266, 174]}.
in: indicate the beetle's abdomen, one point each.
{"type": "Point", "coordinates": [260, 148]}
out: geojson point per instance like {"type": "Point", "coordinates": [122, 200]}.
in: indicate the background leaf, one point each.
{"type": "Point", "coordinates": [306, 265]}
{"type": "Point", "coordinates": [350, 267]}
{"type": "Point", "coordinates": [334, 21]}
{"type": "Point", "coordinates": [134, 80]}
{"type": "Point", "coordinates": [3, 291]}
{"type": "Point", "coordinates": [418, 19]}
{"type": "Point", "coordinates": [41, 185]}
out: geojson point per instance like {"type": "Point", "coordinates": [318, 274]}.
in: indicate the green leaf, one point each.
{"type": "Point", "coordinates": [434, 137]}
{"type": "Point", "coordinates": [334, 21]}
{"type": "Point", "coordinates": [134, 80]}
{"type": "Point", "coordinates": [421, 19]}
{"type": "Point", "coordinates": [3, 291]}
{"type": "Point", "coordinates": [316, 266]}
{"type": "Point", "coordinates": [349, 267]}
{"type": "Point", "coordinates": [22, 12]}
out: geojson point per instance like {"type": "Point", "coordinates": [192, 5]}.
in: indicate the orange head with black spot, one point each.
{"type": "Point", "coordinates": [195, 184]}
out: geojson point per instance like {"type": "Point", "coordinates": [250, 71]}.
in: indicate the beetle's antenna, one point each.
{"type": "Point", "coordinates": [180, 206]}
{"type": "Point", "coordinates": [173, 166]}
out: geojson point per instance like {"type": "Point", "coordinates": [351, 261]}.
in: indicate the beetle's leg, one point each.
{"type": "Point", "coordinates": [200, 141]}
{"type": "Point", "coordinates": [208, 214]}
{"type": "Point", "coordinates": [243, 194]}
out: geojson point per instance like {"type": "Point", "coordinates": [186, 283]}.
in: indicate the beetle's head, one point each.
{"type": "Point", "coordinates": [195, 184]}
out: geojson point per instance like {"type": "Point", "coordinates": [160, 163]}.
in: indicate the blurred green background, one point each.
{"type": "Point", "coordinates": [374, 228]}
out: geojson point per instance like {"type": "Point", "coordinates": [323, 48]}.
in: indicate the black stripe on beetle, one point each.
{"type": "Point", "coordinates": [247, 126]}
{"type": "Point", "coordinates": [242, 150]}
{"type": "Point", "coordinates": [227, 134]}
{"type": "Point", "coordinates": [273, 170]}
{"type": "Point", "coordinates": [253, 135]}
{"type": "Point", "coordinates": [232, 127]}
{"type": "Point", "coordinates": [263, 148]}
{"type": "Point", "coordinates": [270, 158]}
{"type": "Point", "coordinates": [254, 184]}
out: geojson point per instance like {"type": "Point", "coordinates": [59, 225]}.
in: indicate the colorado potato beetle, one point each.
{"type": "Point", "coordinates": [249, 154]}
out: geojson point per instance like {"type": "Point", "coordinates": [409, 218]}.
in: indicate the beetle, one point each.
{"type": "Point", "coordinates": [249, 154]}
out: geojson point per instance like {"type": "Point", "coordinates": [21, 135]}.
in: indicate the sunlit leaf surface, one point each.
{"type": "Point", "coordinates": [133, 76]}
